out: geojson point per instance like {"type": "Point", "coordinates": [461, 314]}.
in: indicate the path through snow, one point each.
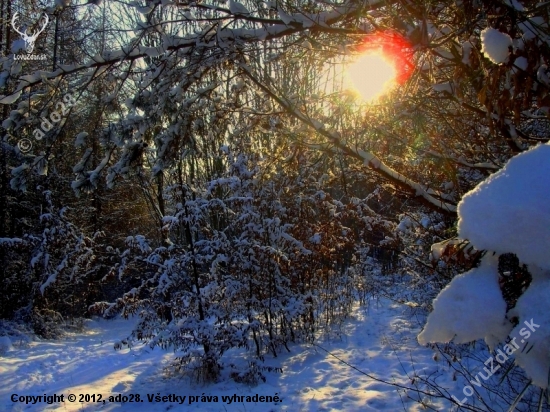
{"type": "Point", "coordinates": [380, 340]}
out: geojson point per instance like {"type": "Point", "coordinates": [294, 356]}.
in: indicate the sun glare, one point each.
{"type": "Point", "coordinates": [371, 75]}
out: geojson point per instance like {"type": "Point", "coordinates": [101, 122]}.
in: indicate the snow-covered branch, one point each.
{"type": "Point", "coordinates": [221, 37]}
{"type": "Point", "coordinates": [424, 194]}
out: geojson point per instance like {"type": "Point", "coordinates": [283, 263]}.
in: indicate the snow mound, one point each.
{"type": "Point", "coordinates": [510, 211]}
{"type": "Point", "coordinates": [495, 45]}
{"type": "Point", "coordinates": [5, 345]}
{"type": "Point", "coordinates": [469, 308]}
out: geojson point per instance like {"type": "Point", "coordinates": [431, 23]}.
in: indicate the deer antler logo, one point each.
{"type": "Point", "coordinates": [29, 40]}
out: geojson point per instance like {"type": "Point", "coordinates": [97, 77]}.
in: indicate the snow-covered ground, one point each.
{"type": "Point", "coordinates": [379, 340]}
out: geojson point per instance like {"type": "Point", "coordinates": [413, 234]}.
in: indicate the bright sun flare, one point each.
{"type": "Point", "coordinates": [371, 75]}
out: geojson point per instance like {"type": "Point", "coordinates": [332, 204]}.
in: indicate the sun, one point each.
{"type": "Point", "coordinates": [372, 75]}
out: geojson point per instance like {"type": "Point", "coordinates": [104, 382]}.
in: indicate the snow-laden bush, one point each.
{"type": "Point", "coordinates": [507, 213]}
{"type": "Point", "coordinates": [18, 334]}
{"type": "Point", "coordinates": [255, 261]}
{"type": "Point", "coordinates": [48, 275]}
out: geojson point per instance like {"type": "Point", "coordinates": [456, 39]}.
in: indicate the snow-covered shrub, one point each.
{"type": "Point", "coordinates": [47, 323]}
{"type": "Point", "coordinates": [507, 213]}
{"type": "Point", "coordinates": [257, 259]}
{"type": "Point", "coordinates": [19, 334]}
{"type": "Point", "coordinates": [48, 272]}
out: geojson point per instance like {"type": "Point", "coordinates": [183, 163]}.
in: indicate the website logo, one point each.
{"type": "Point", "coordinates": [29, 39]}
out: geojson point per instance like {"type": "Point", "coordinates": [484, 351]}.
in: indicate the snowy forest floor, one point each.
{"type": "Point", "coordinates": [379, 339]}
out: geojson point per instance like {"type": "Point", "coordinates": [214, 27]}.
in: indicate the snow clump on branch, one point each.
{"type": "Point", "coordinates": [495, 45]}
{"type": "Point", "coordinates": [507, 213]}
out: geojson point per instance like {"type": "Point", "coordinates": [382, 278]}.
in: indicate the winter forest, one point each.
{"type": "Point", "coordinates": [330, 205]}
